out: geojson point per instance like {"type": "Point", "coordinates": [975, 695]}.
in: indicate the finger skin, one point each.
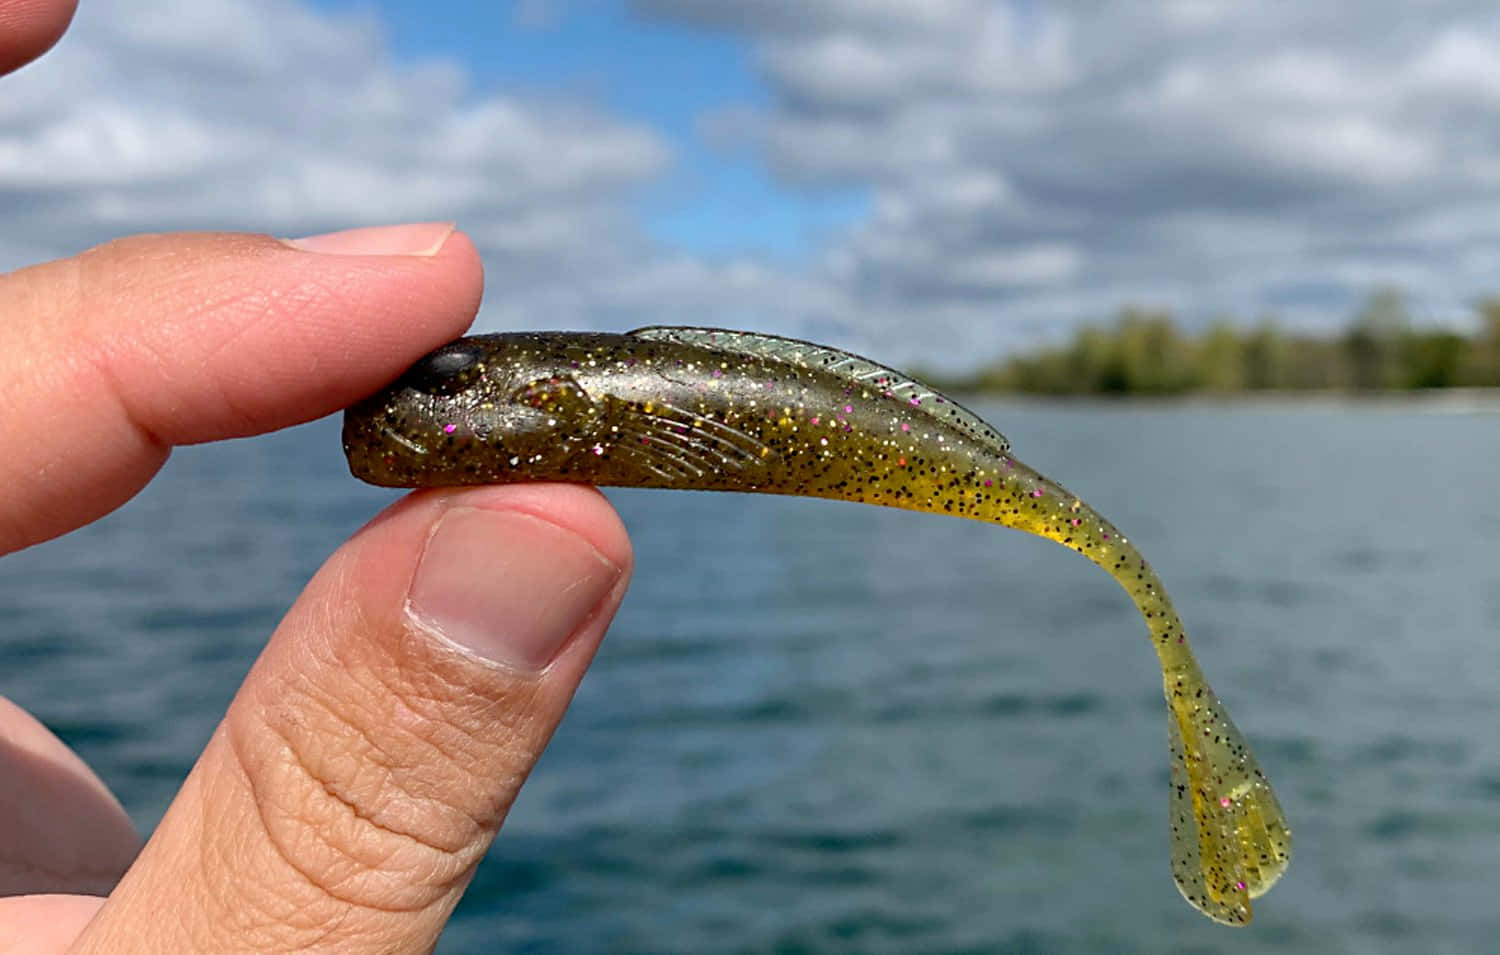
{"type": "Point", "coordinates": [44, 924]}
{"type": "Point", "coordinates": [366, 764]}
{"type": "Point", "coordinates": [28, 28]}
{"type": "Point", "coordinates": [61, 830]}
{"type": "Point", "coordinates": [115, 355]}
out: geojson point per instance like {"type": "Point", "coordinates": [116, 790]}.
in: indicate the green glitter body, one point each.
{"type": "Point", "coordinates": [709, 409]}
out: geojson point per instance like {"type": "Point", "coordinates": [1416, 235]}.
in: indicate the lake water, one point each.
{"type": "Point", "coordinates": [890, 732]}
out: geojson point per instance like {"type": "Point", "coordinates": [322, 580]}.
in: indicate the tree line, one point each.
{"type": "Point", "coordinates": [1144, 353]}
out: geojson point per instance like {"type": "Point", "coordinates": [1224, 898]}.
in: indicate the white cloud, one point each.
{"type": "Point", "coordinates": [1203, 154]}
{"type": "Point", "coordinates": [154, 114]}
{"type": "Point", "coordinates": [988, 51]}
{"type": "Point", "coordinates": [1030, 163]}
{"type": "Point", "coordinates": [1463, 63]}
{"type": "Point", "coordinates": [262, 114]}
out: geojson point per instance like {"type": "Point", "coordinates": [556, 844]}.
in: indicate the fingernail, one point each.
{"type": "Point", "coordinates": [510, 587]}
{"type": "Point", "coordinates": [418, 238]}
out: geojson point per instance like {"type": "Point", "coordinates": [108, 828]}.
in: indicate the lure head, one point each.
{"type": "Point", "coordinates": [480, 410]}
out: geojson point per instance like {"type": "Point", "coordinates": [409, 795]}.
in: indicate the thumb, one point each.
{"type": "Point", "coordinates": [377, 744]}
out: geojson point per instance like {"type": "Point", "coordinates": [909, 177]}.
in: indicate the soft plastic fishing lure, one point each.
{"type": "Point", "coordinates": [707, 409]}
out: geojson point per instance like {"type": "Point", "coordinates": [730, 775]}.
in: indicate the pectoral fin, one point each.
{"type": "Point", "coordinates": [677, 443]}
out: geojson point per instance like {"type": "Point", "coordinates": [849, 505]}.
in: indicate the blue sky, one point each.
{"type": "Point", "coordinates": [938, 182]}
{"type": "Point", "coordinates": [715, 201]}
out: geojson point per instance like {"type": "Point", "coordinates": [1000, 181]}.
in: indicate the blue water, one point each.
{"type": "Point", "coordinates": [819, 727]}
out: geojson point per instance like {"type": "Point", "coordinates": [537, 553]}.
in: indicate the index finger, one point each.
{"type": "Point", "coordinates": [28, 28]}
{"type": "Point", "coordinates": [116, 355]}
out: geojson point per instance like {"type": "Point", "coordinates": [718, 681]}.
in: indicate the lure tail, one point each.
{"type": "Point", "coordinates": [1230, 839]}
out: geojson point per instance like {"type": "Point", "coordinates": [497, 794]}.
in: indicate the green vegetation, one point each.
{"type": "Point", "coordinates": [1144, 353]}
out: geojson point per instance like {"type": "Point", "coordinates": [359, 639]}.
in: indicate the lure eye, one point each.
{"type": "Point", "coordinates": [445, 371]}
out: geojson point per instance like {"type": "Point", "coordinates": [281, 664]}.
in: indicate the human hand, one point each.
{"type": "Point", "coordinates": [373, 751]}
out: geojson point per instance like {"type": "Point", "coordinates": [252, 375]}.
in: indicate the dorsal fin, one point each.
{"type": "Point", "coordinates": [815, 357]}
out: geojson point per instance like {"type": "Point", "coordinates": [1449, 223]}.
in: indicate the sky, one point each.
{"type": "Point", "coordinates": [938, 183]}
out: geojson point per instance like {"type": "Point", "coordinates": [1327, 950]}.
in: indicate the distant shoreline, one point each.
{"type": "Point", "coordinates": [1144, 353]}
{"type": "Point", "coordinates": [1451, 400]}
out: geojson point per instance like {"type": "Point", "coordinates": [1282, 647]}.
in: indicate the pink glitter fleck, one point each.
{"type": "Point", "coordinates": [1038, 492]}
{"type": "Point", "coordinates": [1224, 801]}
{"type": "Point", "coordinates": [915, 402]}
{"type": "Point", "coordinates": [1075, 522]}
{"type": "Point", "coordinates": [1240, 886]}
{"type": "Point", "coordinates": [449, 428]}
{"type": "Point", "coordinates": [905, 426]}
{"type": "Point", "coordinates": [814, 419]}
{"type": "Point", "coordinates": [718, 373]}
{"type": "Point", "coordinates": [848, 409]}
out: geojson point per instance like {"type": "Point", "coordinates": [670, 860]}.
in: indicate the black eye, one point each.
{"type": "Point", "coordinates": [445, 371]}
